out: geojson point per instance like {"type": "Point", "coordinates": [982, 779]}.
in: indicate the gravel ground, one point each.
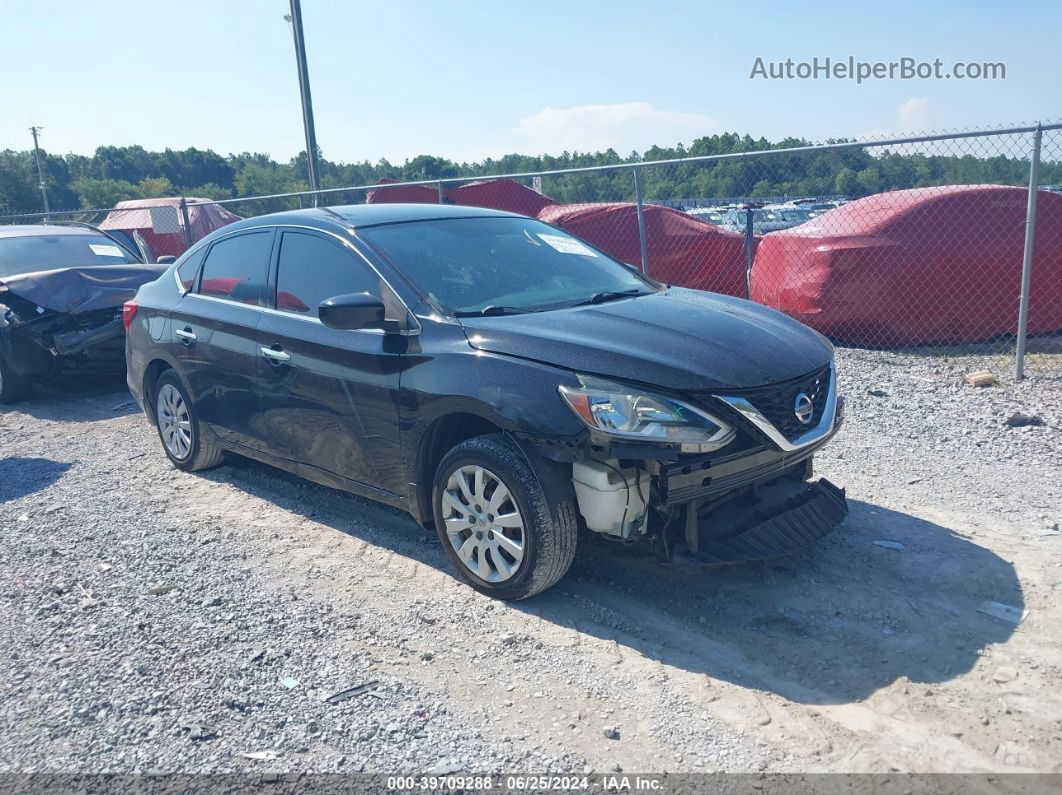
{"type": "Point", "coordinates": [156, 620]}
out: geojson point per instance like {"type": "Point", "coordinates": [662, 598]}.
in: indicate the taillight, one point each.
{"type": "Point", "coordinates": [128, 313]}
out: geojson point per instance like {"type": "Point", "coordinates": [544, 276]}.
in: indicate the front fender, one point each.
{"type": "Point", "coordinates": [494, 391]}
{"type": "Point", "coordinates": [516, 395]}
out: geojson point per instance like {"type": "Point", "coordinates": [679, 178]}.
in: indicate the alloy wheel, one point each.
{"type": "Point", "coordinates": [175, 423]}
{"type": "Point", "coordinates": [483, 523]}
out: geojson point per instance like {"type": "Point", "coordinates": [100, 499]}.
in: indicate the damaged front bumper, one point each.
{"type": "Point", "coordinates": [778, 520]}
{"type": "Point", "coordinates": [751, 500]}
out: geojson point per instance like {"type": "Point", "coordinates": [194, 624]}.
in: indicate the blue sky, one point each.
{"type": "Point", "coordinates": [467, 79]}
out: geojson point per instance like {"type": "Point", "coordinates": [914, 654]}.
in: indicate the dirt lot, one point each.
{"type": "Point", "coordinates": [156, 620]}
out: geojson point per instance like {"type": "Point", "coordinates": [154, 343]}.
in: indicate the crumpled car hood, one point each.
{"type": "Point", "coordinates": [678, 339]}
{"type": "Point", "coordinates": [82, 289]}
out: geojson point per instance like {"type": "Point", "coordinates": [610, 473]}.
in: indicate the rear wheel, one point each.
{"type": "Point", "coordinates": [13, 386]}
{"type": "Point", "coordinates": [178, 426]}
{"type": "Point", "coordinates": [495, 523]}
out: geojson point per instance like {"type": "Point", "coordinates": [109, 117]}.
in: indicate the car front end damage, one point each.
{"type": "Point", "coordinates": [717, 477]}
{"type": "Point", "coordinates": [34, 340]}
{"type": "Point", "coordinates": [67, 319]}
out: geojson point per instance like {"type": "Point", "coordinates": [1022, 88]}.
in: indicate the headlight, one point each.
{"type": "Point", "coordinates": [619, 410]}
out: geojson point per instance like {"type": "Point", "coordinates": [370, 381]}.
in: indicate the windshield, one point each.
{"type": "Point", "coordinates": [29, 253]}
{"type": "Point", "coordinates": [472, 265]}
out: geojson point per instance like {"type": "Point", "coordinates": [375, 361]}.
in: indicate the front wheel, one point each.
{"type": "Point", "coordinates": [495, 522]}
{"type": "Point", "coordinates": [175, 419]}
{"type": "Point", "coordinates": [13, 386]}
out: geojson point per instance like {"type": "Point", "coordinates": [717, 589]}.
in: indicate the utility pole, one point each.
{"type": "Point", "coordinates": [40, 171]}
{"type": "Point", "coordinates": [304, 91]}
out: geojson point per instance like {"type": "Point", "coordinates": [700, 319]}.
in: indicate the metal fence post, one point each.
{"type": "Point", "coordinates": [642, 241]}
{"type": "Point", "coordinates": [1027, 256]}
{"type": "Point", "coordinates": [187, 223]}
{"type": "Point", "coordinates": [442, 194]}
{"type": "Point", "coordinates": [749, 240]}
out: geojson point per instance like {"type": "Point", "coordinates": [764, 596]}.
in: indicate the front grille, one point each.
{"type": "Point", "coordinates": [778, 403]}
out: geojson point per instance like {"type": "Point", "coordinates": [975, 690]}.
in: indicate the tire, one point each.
{"type": "Point", "coordinates": [178, 427]}
{"type": "Point", "coordinates": [546, 535]}
{"type": "Point", "coordinates": [13, 386]}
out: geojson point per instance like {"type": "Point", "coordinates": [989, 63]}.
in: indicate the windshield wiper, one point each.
{"type": "Point", "coordinates": [493, 309]}
{"type": "Point", "coordinates": [610, 295]}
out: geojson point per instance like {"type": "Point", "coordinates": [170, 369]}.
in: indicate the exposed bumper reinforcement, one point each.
{"type": "Point", "coordinates": [772, 530]}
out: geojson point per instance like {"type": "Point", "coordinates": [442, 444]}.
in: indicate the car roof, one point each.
{"type": "Point", "coordinates": [359, 216]}
{"type": "Point", "coordinates": [37, 230]}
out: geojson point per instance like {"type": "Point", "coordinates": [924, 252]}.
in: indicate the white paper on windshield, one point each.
{"type": "Point", "coordinates": [105, 251]}
{"type": "Point", "coordinates": [566, 245]}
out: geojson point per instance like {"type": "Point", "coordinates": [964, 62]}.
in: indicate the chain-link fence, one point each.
{"type": "Point", "coordinates": [934, 244]}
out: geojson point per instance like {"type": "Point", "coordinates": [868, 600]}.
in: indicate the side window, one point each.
{"type": "Point", "coordinates": [235, 269]}
{"type": "Point", "coordinates": [312, 269]}
{"type": "Point", "coordinates": [189, 269]}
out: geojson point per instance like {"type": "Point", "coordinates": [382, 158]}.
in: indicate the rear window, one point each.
{"type": "Point", "coordinates": [29, 253]}
{"type": "Point", "coordinates": [235, 269]}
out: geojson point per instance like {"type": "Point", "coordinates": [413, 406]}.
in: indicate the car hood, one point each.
{"type": "Point", "coordinates": [81, 289]}
{"type": "Point", "coordinates": [679, 339]}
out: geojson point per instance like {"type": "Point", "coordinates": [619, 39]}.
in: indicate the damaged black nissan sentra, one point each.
{"type": "Point", "coordinates": [499, 379]}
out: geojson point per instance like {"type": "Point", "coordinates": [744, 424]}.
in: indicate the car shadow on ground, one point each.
{"type": "Point", "coordinates": [833, 625]}
{"type": "Point", "coordinates": [830, 626]}
{"type": "Point", "coordinates": [21, 476]}
{"type": "Point", "coordinates": [82, 397]}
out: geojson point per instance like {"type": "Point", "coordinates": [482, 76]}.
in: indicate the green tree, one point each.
{"type": "Point", "coordinates": [114, 173]}
{"type": "Point", "coordinates": [845, 182]}
{"type": "Point", "coordinates": [104, 193]}
{"type": "Point", "coordinates": [154, 188]}
{"type": "Point", "coordinates": [210, 190]}
{"type": "Point", "coordinates": [869, 181]}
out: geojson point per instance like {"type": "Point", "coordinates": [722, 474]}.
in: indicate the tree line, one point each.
{"type": "Point", "coordinates": [118, 173]}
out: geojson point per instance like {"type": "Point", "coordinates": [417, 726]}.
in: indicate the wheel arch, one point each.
{"type": "Point", "coordinates": [446, 432]}
{"type": "Point", "coordinates": [152, 372]}
{"type": "Point", "coordinates": [442, 435]}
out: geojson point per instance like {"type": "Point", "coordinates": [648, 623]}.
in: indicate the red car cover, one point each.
{"type": "Point", "coordinates": [135, 214]}
{"type": "Point", "coordinates": [682, 250]}
{"type": "Point", "coordinates": [916, 266]}
{"type": "Point", "coordinates": [500, 194]}
{"type": "Point", "coordinates": [402, 194]}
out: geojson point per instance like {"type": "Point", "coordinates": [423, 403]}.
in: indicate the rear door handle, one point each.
{"type": "Point", "coordinates": [275, 356]}
{"type": "Point", "coordinates": [186, 334]}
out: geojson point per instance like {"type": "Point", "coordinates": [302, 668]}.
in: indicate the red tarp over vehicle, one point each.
{"type": "Point", "coordinates": [494, 194]}
{"type": "Point", "coordinates": [135, 214]}
{"type": "Point", "coordinates": [500, 194]}
{"type": "Point", "coordinates": [916, 266]}
{"type": "Point", "coordinates": [402, 194]}
{"type": "Point", "coordinates": [682, 250]}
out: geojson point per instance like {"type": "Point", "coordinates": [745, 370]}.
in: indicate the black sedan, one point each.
{"type": "Point", "coordinates": [504, 382]}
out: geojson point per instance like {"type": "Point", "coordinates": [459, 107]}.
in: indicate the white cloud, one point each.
{"type": "Point", "coordinates": [623, 127]}
{"type": "Point", "coordinates": [914, 114]}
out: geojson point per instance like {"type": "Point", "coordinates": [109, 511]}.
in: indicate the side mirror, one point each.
{"type": "Point", "coordinates": [166, 259]}
{"type": "Point", "coordinates": [352, 312]}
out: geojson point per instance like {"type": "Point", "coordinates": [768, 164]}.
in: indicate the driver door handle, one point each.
{"type": "Point", "coordinates": [275, 356]}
